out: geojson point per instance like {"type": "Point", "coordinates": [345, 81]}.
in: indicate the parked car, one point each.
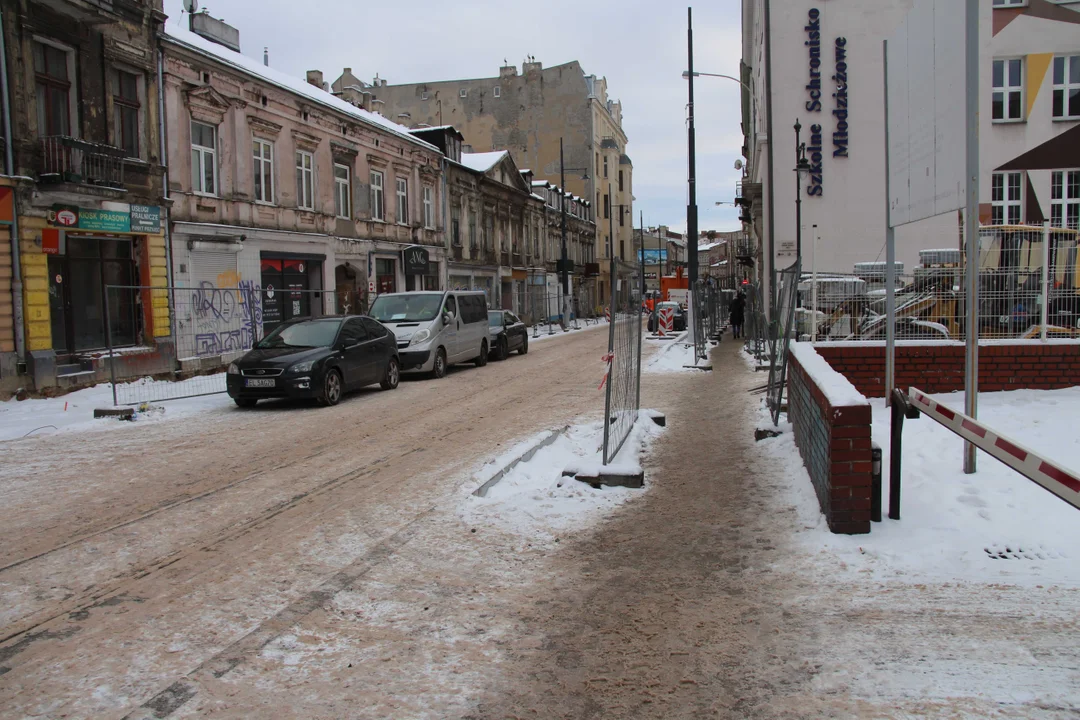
{"type": "Point", "coordinates": [678, 319]}
{"type": "Point", "coordinates": [320, 358]}
{"type": "Point", "coordinates": [508, 334]}
{"type": "Point", "coordinates": [436, 329]}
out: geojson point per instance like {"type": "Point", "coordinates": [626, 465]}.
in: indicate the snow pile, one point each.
{"type": "Point", "coordinates": [74, 412]}
{"type": "Point", "coordinates": [995, 526]}
{"type": "Point", "coordinates": [536, 500]}
{"type": "Point", "coordinates": [674, 357]}
{"type": "Point", "coordinates": [542, 330]}
{"type": "Point", "coordinates": [837, 389]}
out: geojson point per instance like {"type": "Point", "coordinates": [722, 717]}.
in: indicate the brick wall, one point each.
{"type": "Point", "coordinates": [834, 441]}
{"type": "Point", "coordinates": [939, 367]}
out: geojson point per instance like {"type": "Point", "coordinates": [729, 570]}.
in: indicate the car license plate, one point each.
{"type": "Point", "coordinates": [259, 382]}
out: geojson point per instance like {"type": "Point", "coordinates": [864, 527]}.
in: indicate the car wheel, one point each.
{"type": "Point", "coordinates": [392, 375]}
{"type": "Point", "coordinates": [482, 358]}
{"type": "Point", "coordinates": [439, 370]}
{"type": "Point", "coordinates": [245, 402]}
{"type": "Point", "coordinates": [524, 345]}
{"type": "Point", "coordinates": [503, 351]}
{"type": "Point", "coordinates": [331, 390]}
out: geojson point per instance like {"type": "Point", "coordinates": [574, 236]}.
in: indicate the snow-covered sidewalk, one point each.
{"type": "Point", "coordinates": [674, 356]}
{"type": "Point", "coordinates": [992, 527]}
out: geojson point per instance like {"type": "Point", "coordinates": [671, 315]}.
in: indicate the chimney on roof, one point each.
{"type": "Point", "coordinates": [315, 77]}
{"type": "Point", "coordinates": [531, 66]}
{"type": "Point", "coordinates": [377, 106]}
{"type": "Point", "coordinates": [507, 71]}
{"type": "Point", "coordinates": [214, 30]}
{"type": "Point", "coordinates": [266, 56]}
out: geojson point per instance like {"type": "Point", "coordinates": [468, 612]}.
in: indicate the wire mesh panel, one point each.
{"type": "Point", "coordinates": [624, 374]}
{"type": "Point", "coordinates": [698, 312]}
{"type": "Point", "coordinates": [782, 331]}
{"type": "Point", "coordinates": [210, 327]}
{"type": "Point", "coordinates": [1024, 273]}
{"type": "Point", "coordinates": [754, 324]}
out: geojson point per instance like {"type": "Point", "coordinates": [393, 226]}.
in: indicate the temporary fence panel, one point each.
{"type": "Point", "coordinates": [755, 327]}
{"type": "Point", "coordinates": [1028, 287]}
{"type": "Point", "coordinates": [698, 312]}
{"type": "Point", "coordinates": [211, 327]}
{"type": "Point", "coordinates": [624, 370]}
{"type": "Point", "coordinates": [781, 332]}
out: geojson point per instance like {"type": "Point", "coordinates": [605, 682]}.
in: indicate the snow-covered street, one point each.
{"type": "Point", "coordinates": [295, 561]}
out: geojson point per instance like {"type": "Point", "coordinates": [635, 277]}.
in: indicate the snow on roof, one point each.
{"type": "Point", "coordinates": [540, 183]}
{"type": "Point", "coordinates": [719, 264]}
{"type": "Point", "coordinates": [287, 82]}
{"type": "Point", "coordinates": [710, 246]}
{"type": "Point", "coordinates": [435, 127]}
{"type": "Point", "coordinates": [482, 162]}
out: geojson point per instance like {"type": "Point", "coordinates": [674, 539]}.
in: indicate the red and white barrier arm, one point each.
{"type": "Point", "coordinates": [1058, 480]}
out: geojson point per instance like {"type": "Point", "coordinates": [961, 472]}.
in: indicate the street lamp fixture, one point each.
{"type": "Point", "coordinates": [802, 169]}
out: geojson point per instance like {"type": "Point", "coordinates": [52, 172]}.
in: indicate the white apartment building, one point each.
{"type": "Point", "coordinates": [820, 62]}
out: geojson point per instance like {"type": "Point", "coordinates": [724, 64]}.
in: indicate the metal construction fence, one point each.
{"type": "Point", "coordinates": [623, 398]}
{"type": "Point", "coordinates": [698, 312]}
{"type": "Point", "coordinates": [755, 325]}
{"type": "Point", "coordinates": [782, 329]}
{"type": "Point", "coordinates": [210, 327]}
{"type": "Point", "coordinates": [1028, 287]}
{"type": "Point", "coordinates": [543, 310]}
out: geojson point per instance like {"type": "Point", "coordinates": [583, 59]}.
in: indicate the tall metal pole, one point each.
{"type": "Point", "coordinates": [691, 208]}
{"type": "Point", "coordinates": [1048, 281]}
{"type": "Point", "coordinates": [798, 197]}
{"type": "Point", "coordinates": [890, 250]}
{"type": "Point", "coordinates": [563, 272]}
{"type": "Point", "coordinates": [971, 222]}
{"type": "Point", "coordinates": [642, 234]}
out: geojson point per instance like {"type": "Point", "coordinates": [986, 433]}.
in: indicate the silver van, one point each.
{"type": "Point", "coordinates": [435, 329]}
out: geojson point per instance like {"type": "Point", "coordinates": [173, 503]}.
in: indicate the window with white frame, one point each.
{"type": "Point", "coordinates": [1065, 199]}
{"type": "Point", "coordinates": [429, 206]}
{"type": "Point", "coordinates": [1005, 196]}
{"type": "Point", "coordinates": [305, 180]}
{"type": "Point", "coordinates": [377, 204]}
{"type": "Point", "coordinates": [463, 92]}
{"type": "Point", "coordinates": [402, 201]}
{"type": "Point", "coordinates": [54, 74]}
{"type": "Point", "coordinates": [1010, 3]}
{"type": "Point", "coordinates": [1066, 100]}
{"type": "Point", "coordinates": [1008, 97]}
{"type": "Point", "coordinates": [263, 164]}
{"type": "Point", "coordinates": [203, 159]}
{"type": "Point", "coordinates": [342, 195]}
{"type": "Point", "coordinates": [127, 106]}
{"type": "Point", "coordinates": [496, 91]}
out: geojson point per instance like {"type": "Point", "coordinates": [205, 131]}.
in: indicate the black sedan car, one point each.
{"type": "Point", "coordinates": [508, 333]}
{"type": "Point", "coordinates": [319, 358]}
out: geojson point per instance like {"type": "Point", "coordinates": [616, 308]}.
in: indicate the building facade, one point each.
{"type": "Point", "coordinates": [822, 64]}
{"type": "Point", "coordinates": [527, 114]}
{"type": "Point", "coordinates": [278, 185]}
{"type": "Point", "coordinates": [83, 193]}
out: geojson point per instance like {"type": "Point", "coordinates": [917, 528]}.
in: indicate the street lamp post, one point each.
{"type": "Point", "coordinates": [802, 167]}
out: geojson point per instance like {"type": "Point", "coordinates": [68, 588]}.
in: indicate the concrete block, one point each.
{"type": "Point", "coordinates": [121, 413]}
{"type": "Point", "coordinates": [609, 478]}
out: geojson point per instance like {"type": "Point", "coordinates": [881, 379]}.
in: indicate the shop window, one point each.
{"type": "Point", "coordinates": [79, 281]}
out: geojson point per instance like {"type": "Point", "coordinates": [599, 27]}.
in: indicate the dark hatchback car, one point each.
{"type": "Point", "coordinates": [316, 358]}
{"type": "Point", "coordinates": [508, 334]}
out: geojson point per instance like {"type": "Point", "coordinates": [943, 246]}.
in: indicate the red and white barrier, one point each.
{"type": "Point", "coordinates": [667, 319]}
{"type": "Point", "coordinates": [1058, 480]}
{"type": "Point", "coordinates": [607, 314]}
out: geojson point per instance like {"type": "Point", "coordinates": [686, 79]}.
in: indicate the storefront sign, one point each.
{"type": "Point", "coordinates": [50, 241]}
{"type": "Point", "coordinates": [415, 260]}
{"type": "Point", "coordinates": [840, 135]}
{"type": "Point", "coordinates": [145, 219]}
{"type": "Point", "coordinates": [104, 220]}
{"type": "Point", "coordinates": [813, 42]}
{"type": "Point", "coordinates": [64, 215]}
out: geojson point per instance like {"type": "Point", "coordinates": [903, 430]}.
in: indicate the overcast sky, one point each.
{"type": "Point", "coordinates": [639, 45]}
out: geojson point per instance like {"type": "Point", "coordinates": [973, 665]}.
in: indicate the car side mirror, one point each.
{"type": "Point", "coordinates": [447, 318]}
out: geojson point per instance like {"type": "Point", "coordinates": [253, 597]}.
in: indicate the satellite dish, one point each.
{"type": "Point", "coordinates": [191, 6]}
{"type": "Point", "coordinates": [738, 163]}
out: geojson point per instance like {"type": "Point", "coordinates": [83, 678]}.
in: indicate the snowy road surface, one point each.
{"type": "Point", "coordinates": [331, 563]}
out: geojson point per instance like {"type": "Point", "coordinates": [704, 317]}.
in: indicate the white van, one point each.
{"type": "Point", "coordinates": [435, 329]}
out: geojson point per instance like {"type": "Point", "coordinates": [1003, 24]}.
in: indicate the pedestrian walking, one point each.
{"type": "Point", "coordinates": [738, 311]}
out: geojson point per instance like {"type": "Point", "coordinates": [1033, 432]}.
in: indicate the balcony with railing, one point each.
{"type": "Point", "coordinates": [70, 160]}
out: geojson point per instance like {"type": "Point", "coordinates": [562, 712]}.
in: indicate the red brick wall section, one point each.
{"type": "Point", "coordinates": [939, 367]}
{"type": "Point", "coordinates": [835, 445]}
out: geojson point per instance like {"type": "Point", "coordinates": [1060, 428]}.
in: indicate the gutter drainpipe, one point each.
{"type": "Point", "coordinates": [9, 169]}
{"type": "Point", "coordinates": [164, 160]}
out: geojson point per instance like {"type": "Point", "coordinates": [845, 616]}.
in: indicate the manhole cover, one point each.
{"type": "Point", "coordinates": [1023, 552]}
